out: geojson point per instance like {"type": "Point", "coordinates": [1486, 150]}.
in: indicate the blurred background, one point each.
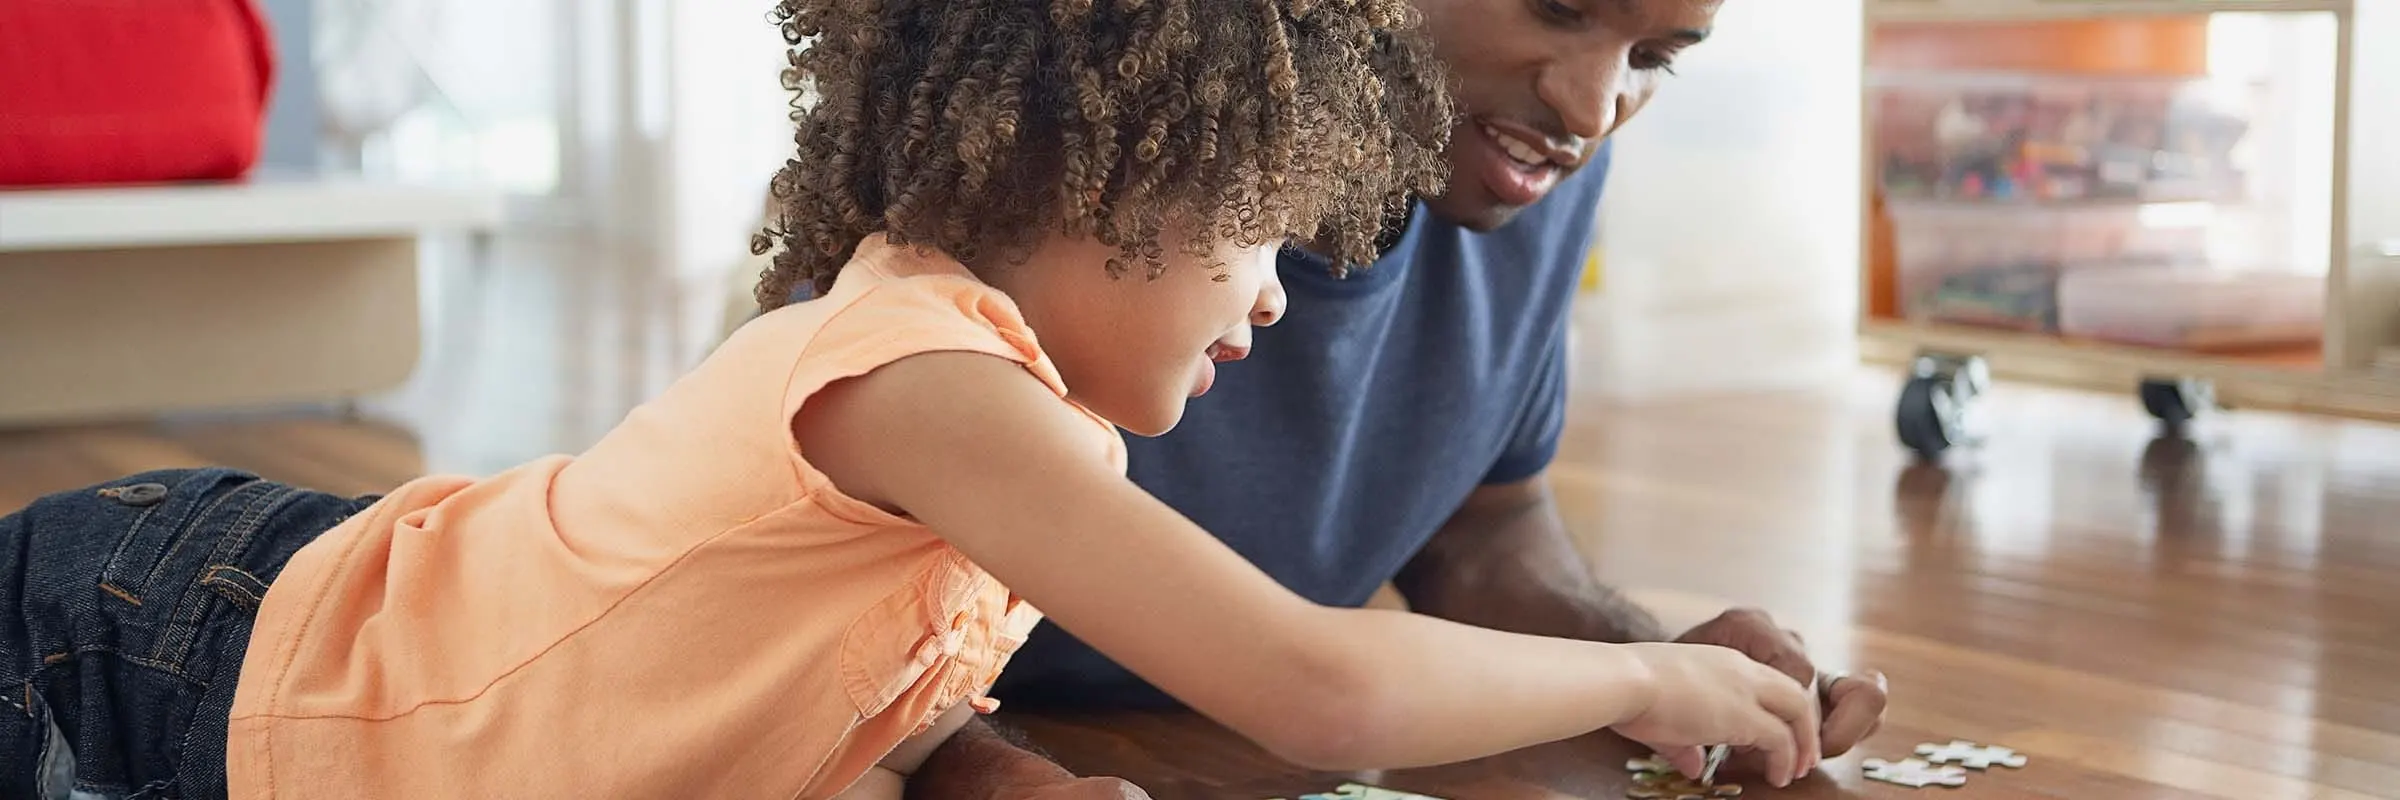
{"type": "Point", "coordinates": [615, 153]}
{"type": "Point", "coordinates": [1825, 182]}
{"type": "Point", "coordinates": [579, 178]}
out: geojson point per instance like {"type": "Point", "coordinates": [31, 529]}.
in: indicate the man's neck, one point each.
{"type": "Point", "coordinates": [1394, 228]}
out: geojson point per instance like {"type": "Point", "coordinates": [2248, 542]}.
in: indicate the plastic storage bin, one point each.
{"type": "Point", "coordinates": [2052, 138]}
{"type": "Point", "coordinates": [1998, 265]}
{"type": "Point", "coordinates": [2194, 309]}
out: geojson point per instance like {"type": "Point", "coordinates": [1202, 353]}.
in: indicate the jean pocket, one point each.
{"type": "Point", "coordinates": [236, 585]}
{"type": "Point", "coordinates": [158, 516]}
{"type": "Point", "coordinates": [181, 560]}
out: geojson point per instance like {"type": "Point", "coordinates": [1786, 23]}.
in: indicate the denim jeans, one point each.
{"type": "Point", "coordinates": [125, 609]}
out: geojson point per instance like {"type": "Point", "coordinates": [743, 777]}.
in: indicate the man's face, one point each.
{"type": "Point", "coordinates": [1542, 82]}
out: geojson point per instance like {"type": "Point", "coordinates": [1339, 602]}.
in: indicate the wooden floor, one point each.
{"type": "Point", "coordinates": [2146, 617]}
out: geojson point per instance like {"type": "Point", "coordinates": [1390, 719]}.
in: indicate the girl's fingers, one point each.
{"type": "Point", "coordinates": [1783, 751]}
{"type": "Point", "coordinates": [1687, 760]}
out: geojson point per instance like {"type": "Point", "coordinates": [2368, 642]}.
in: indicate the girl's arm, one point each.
{"type": "Point", "coordinates": [985, 455]}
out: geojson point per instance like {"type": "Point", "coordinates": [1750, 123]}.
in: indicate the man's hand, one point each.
{"type": "Point", "coordinates": [1853, 705]}
{"type": "Point", "coordinates": [1086, 789]}
{"type": "Point", "coordinates": [984, 762]}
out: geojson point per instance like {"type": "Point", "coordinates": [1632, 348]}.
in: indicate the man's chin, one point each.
{"type": "Point", "coordinates": [1481, 214]}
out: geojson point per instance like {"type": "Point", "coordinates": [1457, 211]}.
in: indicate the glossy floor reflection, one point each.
{"type": "Point", "coordinates": [2214, 614]}
{"type": "Point", "coordinates": [2145, 616]}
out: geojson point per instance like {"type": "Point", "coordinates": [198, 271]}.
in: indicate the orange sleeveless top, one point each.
{"type": "Point", "coordinates": [687, 609]}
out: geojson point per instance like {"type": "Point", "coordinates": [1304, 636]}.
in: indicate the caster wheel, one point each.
{"type": "Point", "coordinates": [1925, 410]}
{"type": "Point", "coordinates": [1932, 415]}
{"type": "Point", "coordinates": [2176, 402]}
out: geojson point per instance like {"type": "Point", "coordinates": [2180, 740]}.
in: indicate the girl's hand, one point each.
{"type": "Point", "coordinates": [1852, 705]}
{"type": "Point", "coordinates": [1705, 695]}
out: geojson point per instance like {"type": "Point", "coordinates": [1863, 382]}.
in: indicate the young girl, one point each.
{"type": "Point", "coordinates": [1027, 225]}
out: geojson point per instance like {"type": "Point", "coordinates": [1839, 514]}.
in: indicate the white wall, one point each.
{"type": "Point", "coordinates": [1730, 228]}
{"type": "Point", "coordinates": [730, 132]}
{"type": "Point", "coordinates": [731, 129]}
{"type": "Point", "coordinates": [2375, 124]}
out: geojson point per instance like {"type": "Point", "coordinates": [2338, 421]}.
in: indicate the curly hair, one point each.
{"type": "Point", "coordinates": [977, 127]}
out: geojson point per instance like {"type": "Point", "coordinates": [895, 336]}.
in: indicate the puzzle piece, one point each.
{"type": "Point", "coordinates": [1970, 755]}
{"type": "Point", "coordinates": [1655, 779]}
{"type": "Point", "coordinates": [1655, 764]}
{"type": "Point", "coordinates": [1364, 792]}
{"type": "Point", "coordinates": [1360, 791]}
{"type": "Point", "coordinates": [1672, 785]}
{"type": "Point", "coordinates": [1683, 789]}
{"type": "Point", "coordinates": [1914, 773]}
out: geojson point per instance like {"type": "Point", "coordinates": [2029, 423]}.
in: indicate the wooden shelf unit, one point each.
{"type": "Point", "coordinates": [2362, 311]}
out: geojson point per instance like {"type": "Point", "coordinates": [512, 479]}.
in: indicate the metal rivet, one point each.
{"type": "Point", "coordinates": [141, 494]}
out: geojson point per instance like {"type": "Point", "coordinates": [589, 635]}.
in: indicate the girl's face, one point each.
{"type": "Point", "coordinates": [1133, 349]}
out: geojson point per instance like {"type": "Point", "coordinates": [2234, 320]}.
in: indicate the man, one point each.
{"type": "Point", "coordinates": [1396, 425]}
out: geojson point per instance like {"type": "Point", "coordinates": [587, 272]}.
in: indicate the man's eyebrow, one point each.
{"type": "Point", "coordinates": [1685, 36]}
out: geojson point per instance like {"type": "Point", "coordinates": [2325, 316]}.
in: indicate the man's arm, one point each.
{"type": "Point", "coordinates": [1504, 561]}
{"type": "Point", "coordinates": [981, 763]}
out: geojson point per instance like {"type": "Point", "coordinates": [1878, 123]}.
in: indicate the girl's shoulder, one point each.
{"type": "Point", "coordinates": [865, 324]}
{"type": "Point", "coordinates": [889, 304]}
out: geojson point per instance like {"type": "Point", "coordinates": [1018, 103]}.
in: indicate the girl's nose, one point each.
{"type": "Point", "coordinates": [1269, 309]}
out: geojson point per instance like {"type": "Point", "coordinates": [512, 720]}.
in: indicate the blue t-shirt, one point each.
{"type": "Point", "coordinates": [1363, 420]}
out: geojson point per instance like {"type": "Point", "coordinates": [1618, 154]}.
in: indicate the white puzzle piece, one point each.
{"type": "Point", "coordinates": [1970, 755]}
{"type": "Point", "coordinates": [1913, 773]}
{"type": "Point", "coordinates": [1357, 791]}
{"type": "Point", "coordinates": [1652, 765]}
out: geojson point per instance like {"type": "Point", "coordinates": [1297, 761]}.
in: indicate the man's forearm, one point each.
{"type": "Point", "coordinates": [1505, 561]}
{"type": "Point", "coordinates": [981, 762]}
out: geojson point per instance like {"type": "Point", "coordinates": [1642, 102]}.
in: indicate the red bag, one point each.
{"type": "Point", "coordinates": [121, 91]}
